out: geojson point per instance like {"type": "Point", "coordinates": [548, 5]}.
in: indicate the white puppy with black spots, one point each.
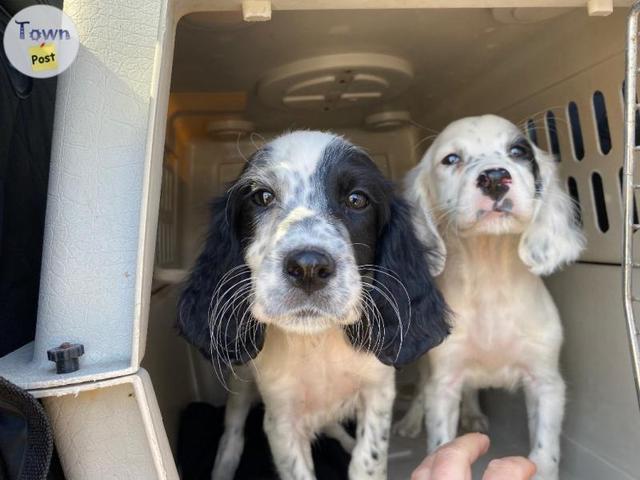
{"type": "Point", "coordinates": [313, 278]}
{"type": "Point", "coordinates": [499, 217]}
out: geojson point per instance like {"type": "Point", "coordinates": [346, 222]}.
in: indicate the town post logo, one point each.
{"type": "Point", "coordinates": [41, 41]}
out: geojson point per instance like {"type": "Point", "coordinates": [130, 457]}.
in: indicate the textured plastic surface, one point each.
{"type": "Point", "coordinates": [602, 425]}
{"type": "Point", "coordinates": [91, 281]}
{"type": "Point", "coordinates": [110, 429]}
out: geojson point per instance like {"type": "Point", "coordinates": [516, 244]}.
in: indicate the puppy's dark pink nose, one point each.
{"type": "Point", "coordinates": [494, 182]}
{"type": "Point", "coordinates": [309, 270]}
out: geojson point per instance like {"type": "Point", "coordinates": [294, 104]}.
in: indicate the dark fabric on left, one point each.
{"type": "Point", "coordinates": [202, 425]}
{"type": "Point", "coordinates": [26, 441]}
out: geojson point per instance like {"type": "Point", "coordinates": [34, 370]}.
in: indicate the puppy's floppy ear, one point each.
{"type": "Point", "coordinates": [212, 310]}
{"type": "Point", "coordinates": [553, 238]}
{"type": "Point", "coordinates": [414, 316]}
{"type": "Point", "coordinates": [419, 197]}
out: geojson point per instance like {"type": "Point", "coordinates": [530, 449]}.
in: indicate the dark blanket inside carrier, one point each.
{"type": "Point", "coordinates": [201, 426]}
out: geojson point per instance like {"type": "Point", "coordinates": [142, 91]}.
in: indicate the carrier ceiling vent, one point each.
{"type": "Point", "coordinates": [387, 120]}
{"type": "Point", "coordinates": [229, 127]}
{"type": "Point", "coordinates": [331, 82]}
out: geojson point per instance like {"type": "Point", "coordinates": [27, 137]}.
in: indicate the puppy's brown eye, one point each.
{"type": "Point", "coordinates": [357, 200]}
{"type": "Point", "coordinates": [263, 197]}
{"type": "Point", "coordinates": [520, 151]}
{"type": "Point", "coordinates": [451, 159]}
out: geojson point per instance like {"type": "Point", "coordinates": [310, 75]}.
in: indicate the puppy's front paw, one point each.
{"type": "Point", "coordinates": [409, 427]}
{"type": "Point", "coordinates": [474, 423]}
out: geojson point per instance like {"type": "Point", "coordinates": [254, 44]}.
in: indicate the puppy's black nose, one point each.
{"type": "Point", "coordinates": [494, 182]}
{"type": "Point", "coordinates": [309, 269]}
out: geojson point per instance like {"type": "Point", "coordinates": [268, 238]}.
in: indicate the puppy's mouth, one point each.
{"type": "Point", "coordinates": [308, 313]}
{"type": "Point", "coordinates": [500, 209]}
{"type": "Point", "coordinates": [310, 321]}
{"type": "Point", "coordinates": [307, 318]}
{"type": "Point", "coordinates": [320, 315]}
{"type": "Point", "coordinates": [495, 218]}
{"type": "Point", "coordinates": [505, 206]}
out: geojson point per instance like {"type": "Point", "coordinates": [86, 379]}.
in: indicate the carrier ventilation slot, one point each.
{"type": "Point", "coordinates": [572, 186]}
{"type": "Point", "coordinates": [166, 244]}
{"type": "Point", "coordinates": [602, 122]}
{"type": "Point", "coordinates": [532, 132]}
{"type": "Point", "coordinates": [576, 131]}
{"type": "Point", "coordinates": [599, 201]}
{"type": "Point", "coordinates": [552, 130]}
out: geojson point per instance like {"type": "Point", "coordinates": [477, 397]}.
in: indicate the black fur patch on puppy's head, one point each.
{"type": "Point", "coordinates": [324, 194]}
{"type": "Point", "coordinates": [413, 311]}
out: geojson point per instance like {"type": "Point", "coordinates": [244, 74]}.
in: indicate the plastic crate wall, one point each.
{"type": "Point", "coordinates": [94, 288]}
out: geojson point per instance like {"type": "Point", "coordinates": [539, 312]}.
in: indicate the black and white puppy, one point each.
{"type": "Point", "coordinates": [313, 277]}
{"type": "Point", "coordinates": [503, 220]}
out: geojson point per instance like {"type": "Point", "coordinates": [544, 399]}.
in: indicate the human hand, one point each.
{"type": "Point", "coordinates": [453, 461]}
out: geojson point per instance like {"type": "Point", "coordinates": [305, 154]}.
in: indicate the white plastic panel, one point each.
{"type": "Point", "coordinates": [91, 278]}
{"type": "Point", "coordinates": [110, 429]}
{"type": "Point", "coordinates": [602, 426]}
{"type": "Point", "coordinates": [607, 77]}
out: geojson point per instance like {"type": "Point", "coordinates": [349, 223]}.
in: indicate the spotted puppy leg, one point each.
{"type": "Point", "coordinates": [242, 395]}
{"type": "Point", "coordinates": [369, 457]}
{"type": "Point", "coordinates": [291, 451]}
{"type": "Point", "coordinates": [442, 405]}
{"type": "Point", "coordinates": [547, 398]}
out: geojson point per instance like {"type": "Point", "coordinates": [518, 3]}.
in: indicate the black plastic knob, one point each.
{"type": "Point", "coordinates": [66, 357]}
